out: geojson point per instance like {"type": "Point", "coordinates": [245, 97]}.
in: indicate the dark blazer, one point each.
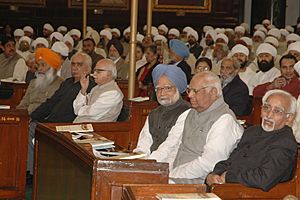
{"type": "Point", "coordinates": [262, 159]}
{"type": "Point", "coordinates": [186, 69]}
{"type": "Point", "coordinates": [59, 108]}
{"type": "Point", "coordinates": [236, 95]}
{"type": "Point", "coordinates": [196, 50]}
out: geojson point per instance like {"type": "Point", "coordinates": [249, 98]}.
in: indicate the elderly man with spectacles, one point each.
{"type": "Point", "coordinates": [266, 154]}
{"type": "Point", "coordinates": [210, 131]}
{"type": "Point", "coordinates": [105, 101]}
{"type": "Point", "coordinates": [162, 132]}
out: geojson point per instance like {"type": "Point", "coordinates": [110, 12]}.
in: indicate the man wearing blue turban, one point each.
{"type": "Point", "coordinates": [178, 53]}
{"type": "Point", "coordinates": [162, 132]}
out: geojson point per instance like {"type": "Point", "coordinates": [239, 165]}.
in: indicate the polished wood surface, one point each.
{"type": "Point", "coordinates": [230, 191]}
{"type": "Point", "coordinates": [19, 90]}
{"type": "Point", "coordinates": [13, 156]}
{"type": "Point", "coordinates": [149, 191]}
{"type": "Point", "coordinates": [66, 170]}
{"type": "Point", "coordinates": [123, 85]}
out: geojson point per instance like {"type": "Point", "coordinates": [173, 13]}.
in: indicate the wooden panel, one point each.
{"type": "Point", "coordinates": [149, 191]}
{"type": "Point", "coordinates": [110, 176]}
{"type": "Point", "coordinates": [62, 171]}
{"type": "Point", "coordinates": [19, 90]}
{"type": "Point", "coordinates": [13, 156]}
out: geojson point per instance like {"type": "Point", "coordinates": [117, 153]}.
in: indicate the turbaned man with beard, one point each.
{"type": "Point", "coordinates": [266, 154]}
{"type": "Point", "coordinates": [266, 56]}
{"type": "Point", "coordinates": [46, 82]}
{"type": "Point", "coordinates": [161, 135]}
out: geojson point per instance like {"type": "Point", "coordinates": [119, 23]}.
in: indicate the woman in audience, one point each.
{"type": "Point", "coordinates": [144, 73]}
{"type": "Point", "coordinates": [140, 56]}
{"type": "Point", "coordinates": [203, 64]}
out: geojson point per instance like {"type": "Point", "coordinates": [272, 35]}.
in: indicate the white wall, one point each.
{"type": "Point", "coordinates": [292, 11]}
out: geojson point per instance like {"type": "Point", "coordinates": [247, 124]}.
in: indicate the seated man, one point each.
{"type": "Point", "coordinates": [235, 91]}
{"type": "Point", "coordinates": [179, 52]}
{"type": "Point", "coordinates": [162, 132]}
{"type": "Point", "coordinates": [105, 101]}
{"type": "Point", "coordinates": [266, 154]}
{"type": "Point", "coordinates": [59, 108]}
{"type": "Point", "coordinates": [46, 82]}
{"type": "Point", "coordinates": [288, 81]}
{"type": "Point", "coordinates": [210, 131]}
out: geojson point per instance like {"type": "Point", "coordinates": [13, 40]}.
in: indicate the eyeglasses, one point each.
{"type": "Point", "coordinates": [189, 90]}
{"type": "Point", "coordinates": [167, 88]}
{"type": "Point", "coordinates": [77, 64]}
{"type": "Point", "coordinates": [98, 71]}
{"type": "Point", "coordinates": [276, 110]}
{"type": "Point", "coordinates": [202, 69]}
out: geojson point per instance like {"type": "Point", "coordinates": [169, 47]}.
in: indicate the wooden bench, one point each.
{"type": "Point", "coordinates": [239, 191]}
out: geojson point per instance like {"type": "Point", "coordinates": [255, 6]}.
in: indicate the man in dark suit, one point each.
{"type": "Point", "coordinates": [235, 91]}
{"type": "Point", "coordinates": [178, 53]}
{"type": "Point", "coordinates": [267, 153]}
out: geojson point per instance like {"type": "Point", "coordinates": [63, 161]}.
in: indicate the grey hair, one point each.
{"type": "Point", "coordinates": [212, 80]}
{"type": "Point", "coordinates": [112, 66]}
{"type": "Point", "coordinates": [225, 48]}
{"type": "Point", "coordinates": [87, 59]}
{"type": "Point", "coordinates": [30, 57]}
{"type": "Point", "coordinates": [292, 99]}
{"type": "Point", "coordinates": [235, 62]}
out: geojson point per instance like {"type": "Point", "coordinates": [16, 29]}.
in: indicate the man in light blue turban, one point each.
{"type": "Point", "coordinates": [178, 53]}
{"type": "Point", "coordinates": [162, 132]}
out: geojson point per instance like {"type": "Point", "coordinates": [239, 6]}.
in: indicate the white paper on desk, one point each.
{"type": "Point", "coordinates": [81, 128]}
{"type": "Point", "coordinates": [11, 80]}
{"type": "Point", "coordinates": [5, 107]}
{"type": "Point", "coordinates": [139, 99]}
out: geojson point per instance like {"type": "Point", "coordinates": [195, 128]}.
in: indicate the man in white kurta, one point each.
{"type": "Point", "coordinates": [162, 132]}
{"type": "Point", "coordinates": [105, 101]}
{"type": "Point", "coordinates": [266, 56]}
{"type": "Point", "coordinates": [210, 132]}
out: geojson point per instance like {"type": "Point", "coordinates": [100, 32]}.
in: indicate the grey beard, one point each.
{"type": "Point", "coordinates": [44, 80]}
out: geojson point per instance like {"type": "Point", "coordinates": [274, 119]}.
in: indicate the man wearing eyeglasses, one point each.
{"type": "Point", "coordinates": [210, 131]}
{"type": "Point", "coordinates": [105, 101]}
{"type": "Point", "coordinates": [266, 154]}
{"type": "Point", "coordinates": [162, 132]}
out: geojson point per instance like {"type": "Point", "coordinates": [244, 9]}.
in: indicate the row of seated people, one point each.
{"type": "Point", "coordinates": [192, 140]}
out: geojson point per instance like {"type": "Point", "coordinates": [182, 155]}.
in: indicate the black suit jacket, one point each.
{"type": "Point", "coordinates": [236, 95]}
{"type": "Point", "coordinates": [196, 50]}
{"type": "Point", "coordinates": [186, 69]}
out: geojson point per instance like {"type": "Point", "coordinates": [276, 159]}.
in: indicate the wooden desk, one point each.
{"type": "Point", "coordinates": [19, 91]}
{"type": "Point", "coordinates": [149, 191]}
{"type": "Point", "coordinates": [66, 170]}
{"type": "Point", "coordinates": [123, 85]}
{"type": "Point", "coordinates": [13, 156]}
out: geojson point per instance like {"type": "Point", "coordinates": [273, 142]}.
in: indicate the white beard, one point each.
{"type": "Point", "coordinates": [267, 128]}
{"type": "Point", "coordinates": [44, 80]}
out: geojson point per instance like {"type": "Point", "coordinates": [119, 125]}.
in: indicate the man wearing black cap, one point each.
{"type": "Point", "coordinates": [115, 50]}
{"type": "Point", "coordinates": [88, 47]}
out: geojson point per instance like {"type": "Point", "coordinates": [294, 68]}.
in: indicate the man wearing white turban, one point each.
{"type": "Point", "coordinates": [266, 56]}
{"type": "Point", "coordinates": [161, 135]}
